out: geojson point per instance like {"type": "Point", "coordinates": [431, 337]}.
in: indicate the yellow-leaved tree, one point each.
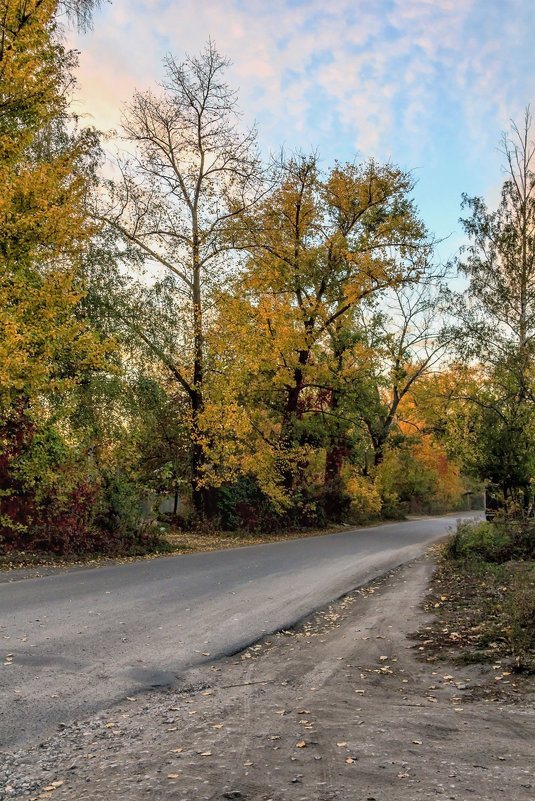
{"type": "Point", "coordinates": [47, 345]}
{"type": "Point", "coordinates": [318, 246]}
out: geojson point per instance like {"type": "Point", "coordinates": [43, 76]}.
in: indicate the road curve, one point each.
{"type": "Point", "coordinates": [76, 642]}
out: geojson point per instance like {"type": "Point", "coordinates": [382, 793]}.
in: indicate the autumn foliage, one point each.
{"type": "Point", "coordinates": [242, 341]}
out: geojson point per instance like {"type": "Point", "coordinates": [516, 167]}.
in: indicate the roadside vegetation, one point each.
{"type": "Point", "coordinates": [483, 596]}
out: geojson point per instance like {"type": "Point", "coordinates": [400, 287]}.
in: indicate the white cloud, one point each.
{"type": "Point", "coordinates": [389, 78]}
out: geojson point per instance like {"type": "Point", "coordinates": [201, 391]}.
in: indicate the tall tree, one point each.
{"type": "Point", "coordinates": [47, 345]}
{"type": "Point", "coordinates": [498, 321]}
{"type": "Point", "coordinates": [319, 246]}
{"type": "Point", "coordinates": [192, 175]}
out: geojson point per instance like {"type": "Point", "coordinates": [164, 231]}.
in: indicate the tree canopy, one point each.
{"type": "Point", "coordinates": [259, 345]}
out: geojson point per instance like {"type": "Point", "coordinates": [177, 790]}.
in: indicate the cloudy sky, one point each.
{"type": "Point", "coordinates": [427, 84]}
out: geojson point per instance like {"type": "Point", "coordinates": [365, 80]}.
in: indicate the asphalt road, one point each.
{"type": "Point", "coordinates": [76, 642]}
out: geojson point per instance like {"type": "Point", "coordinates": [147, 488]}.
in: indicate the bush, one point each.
{"type": "Point", "coordinates": [52, 501]}
{"type": "Point", "coordinates": [242, 506]}
{"type": "Point", "coordinates": [392, 508]}
{"type": "Point", "coordinates": [493, 542]}
{"type": "Point", "coordinates": [365, 501]}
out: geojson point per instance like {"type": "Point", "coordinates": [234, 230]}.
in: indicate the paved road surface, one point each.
{"type": "Point", "coordinates": [77, 642]}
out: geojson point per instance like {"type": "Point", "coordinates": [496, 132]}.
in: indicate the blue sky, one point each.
{"type": "Point", "coordinates": [427, 84]}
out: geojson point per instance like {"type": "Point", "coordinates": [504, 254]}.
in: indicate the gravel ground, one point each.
{"type": "Point", "coordinates": [342, 708]}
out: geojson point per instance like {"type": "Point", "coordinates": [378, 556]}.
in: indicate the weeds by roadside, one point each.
{"type": "Point", "coordinates": [483, 595]}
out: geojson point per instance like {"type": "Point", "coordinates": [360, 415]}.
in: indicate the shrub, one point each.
{"type": "Point", "coordinates": [241, 505]}
{"type": "Point", "coordinates": [52, 500]}
{"type": "Point", "coordinates": [493, 542]}
{"type": "Point", "coordinates": [482, 541]}
{"type": "Point", "coordinates": [365, 501]}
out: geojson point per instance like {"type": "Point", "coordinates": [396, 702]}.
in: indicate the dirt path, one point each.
{"type": "Point", "coordinates": [340, 709]}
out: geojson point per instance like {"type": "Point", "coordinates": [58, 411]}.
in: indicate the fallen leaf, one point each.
{"type": "Point", "coordinates": [417, 742]}
{"type": "Point", "coordinates": [247, 764]}
{"type": "Point", "coordinates": [301, 744]}
{"type": "Point", "coordinates": [382, 658]}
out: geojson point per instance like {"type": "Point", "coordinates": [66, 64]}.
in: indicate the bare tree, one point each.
{"type": "Point", "coordinates": [175, 205]}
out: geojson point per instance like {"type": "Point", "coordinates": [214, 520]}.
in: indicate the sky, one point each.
{"type": "Point", "coordinates": [429, 85]}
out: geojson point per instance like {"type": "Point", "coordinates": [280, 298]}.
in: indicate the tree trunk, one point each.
{"type": "Point", "coordinates": [290, 415]}
{"type": "Point", "coordinates": [198, 457]}
{"type": "Point", "coordinates": [336, 448]}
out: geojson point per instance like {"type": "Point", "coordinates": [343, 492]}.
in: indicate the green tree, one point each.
{"type": "Point", "coordinates": [497, 328]}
